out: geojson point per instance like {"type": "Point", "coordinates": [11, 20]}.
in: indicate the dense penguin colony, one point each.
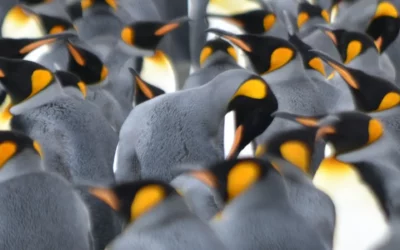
{"type": "Point", "coordinates": [199, 125]}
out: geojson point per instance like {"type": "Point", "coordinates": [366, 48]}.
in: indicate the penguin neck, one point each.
{"type": "Point", "coordinates": [165, 77]}
{"type": "Point", "coordinates": [134, 51]}
{"type": "Point", "coordinates": [293, 173]}
{"type": "Point", "coordinates": [270, 188]}
{"type": "Point", "coordinates": [74, 92]}
{"type": "Point", "coordinates": [25, 162]}
{"type": "Point", "coordinates": [47, 95]}
{"type": "Point", "coordinates": [292, 70]}
{"type": "Point", "coordinates": [169, 209]}
{"type": "Point", "coordinates": [315, 75]}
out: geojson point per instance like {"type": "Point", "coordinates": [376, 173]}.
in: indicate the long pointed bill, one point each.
{"type": "Point", "coordinates": [232, 38]}
{"type": "Point", "coordinates": [170, 26]}
{"type": "Point", "coordinates": [45, 40]}
{"type": "Point", "coordinates": [236, 142]}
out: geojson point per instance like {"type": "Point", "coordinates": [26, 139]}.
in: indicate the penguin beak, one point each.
{"type": "Point", "coordinates": [323, 131]}
{"type": "Point", "coordinates": [233, 38]}
{"type": "Point", "coordinates": [170, 26]}
{"type": "Point", "coordinates": [328, 31]}
{"type": "Point", "coordinates": [45, 40]}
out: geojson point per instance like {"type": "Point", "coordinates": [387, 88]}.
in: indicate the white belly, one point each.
{"type": "Point", "coordinates": [360, 223]}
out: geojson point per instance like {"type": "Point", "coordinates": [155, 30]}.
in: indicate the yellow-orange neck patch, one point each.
{"type": "Point", "coordinates": [297, 153]}
{"type": "Point", "coordinates": [8, 150]}
{"type": "Point", "coordinates": [242, 177]}
{"type": "Point", "coordinates": [145, 199]}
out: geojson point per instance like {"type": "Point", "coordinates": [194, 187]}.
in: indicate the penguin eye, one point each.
{"type": "Point", "coordinates": [8, 150]}
{"type": "Point", "coordinates": [146, 199]}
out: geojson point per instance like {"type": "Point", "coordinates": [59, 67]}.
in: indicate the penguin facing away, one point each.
{"type": "Point", "coordinates": [41, 110]}
{"type": "Point", "coordinates": [38, 202]}
{"type": "Point", "coordinates": [247, 187]}
{"type": "Point", "coordinates": [309, 15]}
{"type": "Point", "coordinates": [217, 56]}
{"type": "Point", "coordinates": [71, 84]}
{"type": "Point", "coordinates": [156, 217]}
{"type": "Point", "coordinates": [194, 137]}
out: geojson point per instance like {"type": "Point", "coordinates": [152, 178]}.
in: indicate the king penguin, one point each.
{"type": "Point", "coordinates": [371, 94]}
{"type": "Point", "coordinates": [283, 67]}
{"type": "Point", "coordinates": [5, 105]}
{"type": "Point", "coordinates": [255, 198]}
{"type": "Point", "coordinates": [41, 110]}
{"type": "Point", "coordinates": [71, 83]}
{"type": "Point", "coordinates": [349, 136]}
{"type": "Point", "coordinates": [191, 127]}
{"type": "Point", "coordinates": [262, 22]}
{"type": "Point", "coordinates": [298, 156]}
{"type": "Point", "coordinates": [217, 56]}
{"type": "Point", "coordinates": [38, 202]}
{"type": "Point", "coordinates": [156, 217]}
{"type": "Point", "coordinates": [309, 15]}
{"type": "Point", "coordinates": [138, 49]}
{"type": "Point", "coordinates": [357, 50]}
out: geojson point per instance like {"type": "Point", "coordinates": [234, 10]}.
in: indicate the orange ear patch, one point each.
{"type": "Point", "coordinates": [8, 150]}
{"type": "Point", "coordinates": [106, 195]}
{"type": "Point", "coordinates": [239, 43]}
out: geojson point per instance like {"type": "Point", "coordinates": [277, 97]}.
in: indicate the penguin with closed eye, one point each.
{"type": "Point", "coordinates": [247, 186]}
{"type": "Point", "coordinates": [38, 202]}
{"type": "Point", "coordinates": [191, 126]}
{"type": "Point", "coordinates": [156, 217]}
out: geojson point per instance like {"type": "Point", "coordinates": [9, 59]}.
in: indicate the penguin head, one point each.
{"type": "Point", "coordinates": [343, 132]}
{"type": "Point", "coordinates": [311, 61]}
{"type": "Point", "coordinates": [24, 79]}
{"type": "Point", "coordinates": [310, 13]}
{"type": "Point", "coordinates": [135, 199]}
{"type": "Point", "coordinates": [86, 64]}
{"type": "Point", "coordinates": [19, 48]}
{"type": "Point", "coordinates": [233, 178]}
{"type": "Point", "coordinates": [147, 35]}
{"type": "Point", "coordinates": [266, 53]}
{"type": "Point", "coordinates": [217, 49]}
{"type": "Point", "coordinates": [350, 44]}
{"type": "Point", "coordinates": [385, 25]}
{"type": "Point", "coordinates": [14, 144]}
{"type": "Point", "coordinates": [252, 22]}
{"type": "Point", "coordinates": [371, 93]}
{"type": "Point", "coordinates": [253, 103]}
{"type": "Point", "coordinates": [74, 10]}
{"type": "Point", "coordinates": [70, 80]}
{"type": "Point", "coordinates": [144, 91]}
{"type": "Point", "coordinates": [99, 5]}
{"type": "Point", "coordinates": [295, 146]}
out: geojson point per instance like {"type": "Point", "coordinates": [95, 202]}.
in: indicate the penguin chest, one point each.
{"type": "Point", "coordinates": [159, 71]}
{"type": "Point", "coordinates": [17, 24]}
{"type": "Point", "coordinates": [5, 115]}
{"type": "Point", "coordinates": [360, 221]}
